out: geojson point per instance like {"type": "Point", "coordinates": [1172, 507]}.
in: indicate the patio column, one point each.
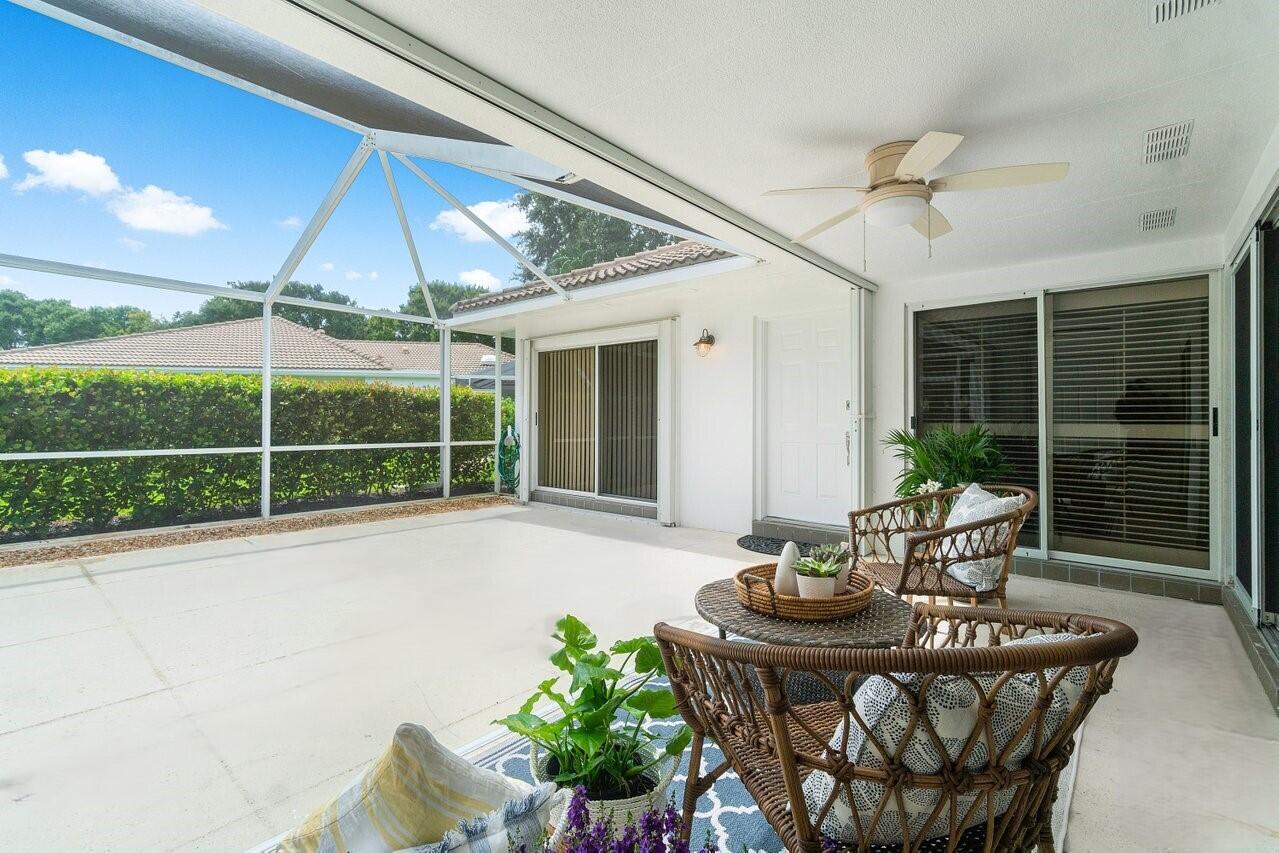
{"type": "Point", "coordinates": [266, 410]}
{"type": "Point", "coordinates": [497, 414]}
{"type": "Point", "coordinates": [446, 409]}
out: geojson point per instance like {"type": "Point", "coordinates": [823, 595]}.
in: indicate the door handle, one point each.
{"type": "Point", "coordinates": [848, 447]}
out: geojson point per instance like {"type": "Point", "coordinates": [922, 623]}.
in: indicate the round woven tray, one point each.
{"type": "Point", "coordinates": [755, 591]}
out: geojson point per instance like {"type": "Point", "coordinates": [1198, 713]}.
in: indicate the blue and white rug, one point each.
{"type": "Point", "coordinates": [726, 813]}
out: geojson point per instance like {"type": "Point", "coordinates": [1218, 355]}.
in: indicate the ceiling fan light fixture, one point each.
{"type": "Point", "coordinates": [895, 211]}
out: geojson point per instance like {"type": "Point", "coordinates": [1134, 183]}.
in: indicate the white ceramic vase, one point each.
{"type": "Point", "coordinates": [816, 587]}
{"type": "Point", "coordinates": [620, 811]}
{"type": "Point", "coordinates": [784, 579]}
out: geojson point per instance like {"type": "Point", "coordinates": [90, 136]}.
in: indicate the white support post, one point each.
{"type": "Point", "coordinates": [483, 226]}
{"type": "Point", "coordinates": [446, 410]}
{"type": "Point", "coordinates": [321, 217]}
{"type": "Point", "coordinates": [266, 410]}
{"type": "Point", "coordinates": [408, 232]}
{"type": "Point", "coordinates": [497, 414]}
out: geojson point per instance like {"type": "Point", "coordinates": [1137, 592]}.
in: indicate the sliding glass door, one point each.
{"type": "Point", "coordinates": [597, 420]}
{"type": "Point", "coordinates": [1120, 422]}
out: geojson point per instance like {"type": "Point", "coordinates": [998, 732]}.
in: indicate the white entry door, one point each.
{"type": "Point", "coordinates": [806, 397]}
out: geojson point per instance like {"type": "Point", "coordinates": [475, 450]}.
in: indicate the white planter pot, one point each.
{"type": "Point", "coordinates": [620, 810]}
{"type": "Point", "coordinates": [816, 587]}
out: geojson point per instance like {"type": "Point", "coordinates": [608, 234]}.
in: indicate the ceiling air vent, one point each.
{"type": "Point", "coordinates": [1155, 220]}
{"type": "Point", "coordinates": [1163, 11]}
{"type": "Point", "coordinates": [1168, 142]}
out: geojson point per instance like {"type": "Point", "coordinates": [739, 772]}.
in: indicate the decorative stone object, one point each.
{"type": "Point", "coordinates": [784, 582]}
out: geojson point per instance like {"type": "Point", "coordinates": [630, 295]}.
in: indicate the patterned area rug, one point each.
{"type": "Point", "coordinates": [770, 545]}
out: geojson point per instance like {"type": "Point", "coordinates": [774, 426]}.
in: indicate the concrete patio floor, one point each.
{"type": "Point", "coordinates": [208, 696]}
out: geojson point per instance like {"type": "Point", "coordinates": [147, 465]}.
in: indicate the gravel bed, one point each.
{"type": "Point", "coordinates": [22, 556]}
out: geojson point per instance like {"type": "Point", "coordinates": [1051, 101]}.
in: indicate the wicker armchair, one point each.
{"type": "Point", "coordinates": [980, 795]}
{"type": "Point", "coordinates": [915, 528]}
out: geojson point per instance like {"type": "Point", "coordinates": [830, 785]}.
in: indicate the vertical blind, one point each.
{"type": "Point", "coordinates": [628, 420]}
{"type": "Point", "coordinates": [566, 419]}
{"type": "Point", "coordinates": [978, 364]}
{"type": "Point", "coordinates": [1129, 403]}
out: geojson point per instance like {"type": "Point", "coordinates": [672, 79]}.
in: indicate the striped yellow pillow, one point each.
{"type": "Point", "coordinates": [413, 794]}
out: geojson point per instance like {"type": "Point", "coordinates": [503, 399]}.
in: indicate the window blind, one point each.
{"type": "Point", "coordinates": [628, 420]}
{"type": "Point", "coordinates": [1129, 410]}
{"type": "Point", "coordinates": [566, 419]}
{"type": "Point", "coordinates": [978, 364]}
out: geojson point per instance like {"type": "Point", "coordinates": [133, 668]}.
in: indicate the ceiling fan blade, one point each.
{"type": "Point", "coordinates": [805, 190]}
{"type": "Point", "coordinates": [1005, 176]}
{"type": "Point", "coordinates": [927, 154]}
{"type": "Point", "coordinates": [934, 221]}
{"type": "Point", "coordinates": [828, 224]}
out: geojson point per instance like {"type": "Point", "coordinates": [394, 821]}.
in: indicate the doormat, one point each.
{"type": "Point", "coordinates": [771, 545]}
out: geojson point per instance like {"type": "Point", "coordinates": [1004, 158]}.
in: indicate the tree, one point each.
{"type": "Point", "coordinates": [27, 322]}
{"type": "Point", "coordinates": [444, 294]}
{"type": "Point", "coordinates": [339, 325]}
{"type": "Point", "coordinates": [563, 236]}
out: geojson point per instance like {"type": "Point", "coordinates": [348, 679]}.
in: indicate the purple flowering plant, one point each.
{"type": "Point", "coordinates": [654, 832]}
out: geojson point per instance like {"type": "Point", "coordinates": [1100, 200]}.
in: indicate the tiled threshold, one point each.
{"type": "Point", "coordinates": [1117, 579]}
{"type": "Point", "coordinates": [1260, 653]}
{"type": "Point", "coordinates": [595, 504]}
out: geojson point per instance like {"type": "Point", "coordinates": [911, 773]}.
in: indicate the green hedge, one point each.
{"type": "Point", "coordinates": [56, 409]}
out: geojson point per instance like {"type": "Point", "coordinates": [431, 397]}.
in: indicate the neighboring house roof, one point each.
{"type": "Point", "coordinates": [686, 253]}
{"type": "Point", "coordinates": [237, 344]}
{"type": "Point", "coordinates": [424, 357]}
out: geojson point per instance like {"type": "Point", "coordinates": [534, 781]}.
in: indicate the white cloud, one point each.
{"type": "Point", "coordinates": [154, 209]}
{"type": "Point", "coordinates": [5, 281]}
{"type": "Point", "coordinates": [78, 170]}
{"type": "Point", "coordinates": [502, 216]}
{"type": "Point", "coordinates": [355, 275]}
{"type": "Point", "coordinates": [291, 222]}
{"type": "Point", "coordinates": [4, 170]}
{"type": "Point", "coordinates": [480, 278]}
{"type": "Point", "coordinates": [132, 245]}
{"type": "Point", "coordinates": [327, 266]}
{"type": "Point", "coordinates": [373, 276]}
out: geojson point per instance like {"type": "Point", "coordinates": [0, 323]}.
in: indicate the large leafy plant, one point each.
{"type": "Point", "coordinates": [600, 741]}
{"type": "Point", "coordinates": [943, 458]}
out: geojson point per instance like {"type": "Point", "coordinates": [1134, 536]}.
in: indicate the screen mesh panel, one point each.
{"type": "Point", "coordinates": [978, 364]}
{"type": "Point", "coordinates": [566, 419]}
{"type": "Point", "coordinates": [628, 420]}
{"type": "Point", "coordinates": [1130, 422]}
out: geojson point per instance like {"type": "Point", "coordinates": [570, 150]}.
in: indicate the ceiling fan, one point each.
{"type": "Point", "coordinates": [899, 195]}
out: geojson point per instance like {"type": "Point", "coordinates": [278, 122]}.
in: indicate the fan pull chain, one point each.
{"type": "Point", "coordinates": [930, 232]}
{"type": "Point", "coordinates": [863, 243]}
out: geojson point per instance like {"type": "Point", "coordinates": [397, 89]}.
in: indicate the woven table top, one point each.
{"type": "Point", "coordinates": [882, 625]}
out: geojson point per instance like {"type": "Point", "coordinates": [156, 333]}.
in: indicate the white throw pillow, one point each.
{"type": "Point", "coordinates": [976, 504]}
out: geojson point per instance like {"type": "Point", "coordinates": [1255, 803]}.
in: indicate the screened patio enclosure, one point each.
{"type": "Point", "coordinates": [404, 138]}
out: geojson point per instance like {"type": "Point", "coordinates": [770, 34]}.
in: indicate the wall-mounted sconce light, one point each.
{"type": "Point", "coordinates": [704, 343]}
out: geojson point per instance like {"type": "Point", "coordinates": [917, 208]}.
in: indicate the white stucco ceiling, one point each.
{"type": "Point", "coordinates": [735, 99]}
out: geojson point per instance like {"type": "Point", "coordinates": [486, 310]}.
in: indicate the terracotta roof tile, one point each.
{"type": "Point", "coordinates": [686, 253]}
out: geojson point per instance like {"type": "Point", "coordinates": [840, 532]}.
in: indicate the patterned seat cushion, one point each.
{"type": "Point", "coordinates": [952, 705]}
{"type": "Point", "coordinates": [977, 504]}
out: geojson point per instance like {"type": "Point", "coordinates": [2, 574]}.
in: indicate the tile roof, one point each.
{"type": "Point", "coordinates": [683, 254]}
{"type": "Point", "coordinates": [237, 344]}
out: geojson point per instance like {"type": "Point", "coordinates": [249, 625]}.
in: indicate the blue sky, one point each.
{"type": "Point", "coordinates": [181, 176]}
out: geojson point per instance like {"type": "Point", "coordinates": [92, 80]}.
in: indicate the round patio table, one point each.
{"type": "Point", "coordinates": [882, 625]}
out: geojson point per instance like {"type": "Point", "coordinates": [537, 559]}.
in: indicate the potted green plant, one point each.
{"type": "Point", "coordinates": [942, 458]}
{"type": "Point", "coordinates": [596, 736]}
{"type": "Point", "coordinates": [816, 577]}
{"type": "Point", "coordinates": [837, 553]}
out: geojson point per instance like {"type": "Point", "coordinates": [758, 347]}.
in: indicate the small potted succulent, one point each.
{"type": "Point", "coordinates": [836, 553]}
{"type": "Point", "coordinates": [816, 577]}
{"type": "Point", "coordinates": [596, 738]}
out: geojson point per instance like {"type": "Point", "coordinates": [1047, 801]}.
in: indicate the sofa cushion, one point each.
{"type": "Point", "coordinates": [953, 706]}
{"type": "Point", "coordinates": [414, 793]}
{"type": "Point", "coordinates": [976, 504]}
